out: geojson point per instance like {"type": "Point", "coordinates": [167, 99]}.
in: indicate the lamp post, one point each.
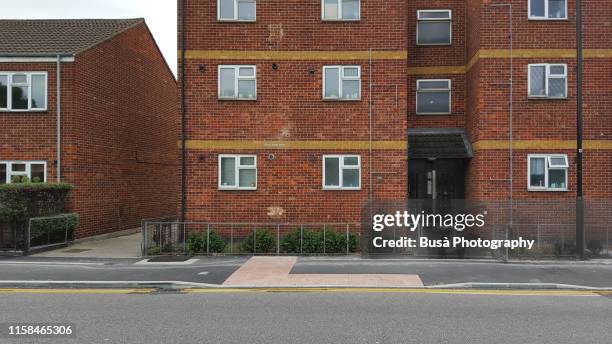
{"type": "Point", "coordinates": [579, 137]}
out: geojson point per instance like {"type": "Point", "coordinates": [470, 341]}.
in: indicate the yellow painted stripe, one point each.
{"type": "Point", "coordinates": [404, 290]}
{"type": "Point", "coordinates": [541, 144]}
{"type": "Point", "coordinates": [295, 55]}
{"type": "Point", "coordinates": [76, 291]}
{"type": "Point", "coordinates": [293, 145]}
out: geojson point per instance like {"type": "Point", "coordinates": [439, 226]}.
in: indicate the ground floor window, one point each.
{"type": "Point", "coordinates": [23, 172]}
{"type": "Point", "coordinates": [341, 172]}
{"type": "Point", "coordinates": [548, 172]}
{"type": "Point", "coordinates": [238, 172]}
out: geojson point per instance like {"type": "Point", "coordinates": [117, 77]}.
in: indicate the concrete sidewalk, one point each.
{"type": "Point", "coordinates": [126, 246]}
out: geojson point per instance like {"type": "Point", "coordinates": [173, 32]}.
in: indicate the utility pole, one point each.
{"type": "Point", "coordinates": [579, 137]}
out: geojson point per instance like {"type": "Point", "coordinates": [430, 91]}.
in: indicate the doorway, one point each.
{"type": "Point", "coordinates": [436, 179]}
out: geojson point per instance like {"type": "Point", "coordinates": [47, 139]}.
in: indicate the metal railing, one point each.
{"type": "Point", "coordinates": [205, 238]}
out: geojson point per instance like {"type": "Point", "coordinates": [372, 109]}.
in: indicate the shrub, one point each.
{"type": "Point", "coordinates": [21, 201]}
{"type": "Point", "coordinates": [264, 241]}
{"type": "Point", "coordinates": [53, 229]}
{"type": "Point", "coordinates": [197, 242]}
{"type": "Point", "coordinates": [312, 242]}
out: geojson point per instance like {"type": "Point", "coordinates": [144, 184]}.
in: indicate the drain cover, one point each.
{"type": "Point", "coordinates": [168, 259]}
{"type": "Point", "coordinates": [77, 250]}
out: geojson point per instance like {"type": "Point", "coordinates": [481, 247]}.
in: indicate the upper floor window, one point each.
{"type": "Point", "coordinates": [236, 10]}
{"type": "Point", "coordinates": [340, 9]}
{"type": "Point", "coordinates": [434, 27]}
{"type": "Point", "coordinates": [433, 97]}
{"type": "Point", "coordinates": [548, 172]}
{"type": "Point", "coordinates": [547, 9]}
{"type": "Point", "coordinates": [23, 172]}
{"type": "Point", "coordinates": [342, 82]}
{"type": "Point", "coordinates": [237, 82]}
{"type": "Point", "coordinates": [341, 172]}
{"type": "Point", "coordinates": [23, 91]}
{"type": "Point", "coordinates": [548, 80]}
{"type": "Point", "coordinates": [238, 172]}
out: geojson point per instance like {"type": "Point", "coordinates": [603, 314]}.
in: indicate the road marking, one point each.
{"type": "Point", "coordinates": [46, 263]}
{"type": "Point", "coordinates": [203, 273]}
{"type": "Point", "coordinates": [76, 291]}
{"type": "Point", "coordinates": [147, 262]}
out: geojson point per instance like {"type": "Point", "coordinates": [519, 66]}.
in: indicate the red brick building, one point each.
{"type": "Point", "coordinates": [91, 103]}
{"type": "Point", "coordinates": [302, 111]}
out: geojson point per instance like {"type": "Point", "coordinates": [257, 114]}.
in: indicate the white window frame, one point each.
{"type": "Point", "coordinates": [340, 81]}
{"type": "Point", "coordinates": [9, 90]}
{"type": "Point", "coordinates": [547, 76]}
{"type": "Point", "coordinates": [450, 96]}
{"type": "Point", "coordinates": [236, 17]}
{"type": "Point", "coordinates": [340, 14]}
{"type": "Point", "coordinates": [238, 167]}
{"type": "Point", "coordinates": [547, 168]}
{"type": "Point", "coordinates": [341, 169]}
{"type": "Point", "coordinates": [545, 17]}
{"type": "Point", "coordinates": [450, 20]}
{"type": "Point", "coordinates": [26, 173]}
{"type": "Point", "coordinates": [237, 78]}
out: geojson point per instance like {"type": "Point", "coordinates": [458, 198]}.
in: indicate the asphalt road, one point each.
{"type": "Point", "coordinates": [315, 317]}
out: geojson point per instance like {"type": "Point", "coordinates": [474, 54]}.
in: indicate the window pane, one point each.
{"type": "Point", "coordinates": [433, 102]}
{"type": "Point", "coordinates": [18, 167]}
{"type": "Point", "coordinates": [350, 89]}
{"type": "Point", "coordinates": [246, 10]}
{"type": "Point", "coordinates": [247, 161]}
{"type": "Point", "coordinates": [248, 178]}
{"type": "Point", "coordinates": [537, 8]}
{"type": "Point", "coordinates": [39, 87]}
{"type": "Point", "coordinates": [556, 87]}
{"type": "Point", "coordinates": [38, 173]}
{"type": "Point", "coordinates": [536, 174]}
{"type": "Point", "coordinates": [558, 70]}
{"type": "Point", "coordinates": [20, 79]}
{"type": "Point", "coordinates": [3, 91]}
{"type": "Point", "coordinates": [330, 10]}
{"type": "Point", "coordinates": [332, 172]}
{"type": "Point", "coordinates": [434, 33]}
{"type": "Point", "coordinates": [558, 161]}
{"type": "Point", "coordinates": [3, 173]}
{"type": "Point", "coordinates": [350, 9]}
{"type": "Point", "coordinates": [227, 9]}
{"type": "Point", "coordinates": [434, 15]}
{"type": "Point", "coordinates": [20, 97]}
{"type": "Point", "coordinates": [227, 82]}
{"type": "Point", "coordinates": [556, 8]}
{"type": "Point", "coordinates": [537, 81]}
{"type": "Point", "coordinates": [228, 171]}
{"type": "Point", "coordinates": [246, 71]}
{"type": "Point", "coordinates": [332, 82]}
{"type": "Point", "coordinates": [246, 89]}
{"type": "Point", "coordinates": [351, 161]}
{"type": "Point", "coordinates": [556, 179]}
{"type": "Point", "coordinates": [351, 72]}
{"type": "Point", "coordinates": [350, 178]}
{"type": "Point", "coordinates": [428, 85]}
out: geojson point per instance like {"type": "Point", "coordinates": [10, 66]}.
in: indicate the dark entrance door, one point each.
{"type": "Point", "coordinates": [436, 178]}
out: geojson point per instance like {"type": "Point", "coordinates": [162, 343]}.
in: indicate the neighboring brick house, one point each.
{"type": "Point", "coordinates": [112, 131]}
{"type": "Point", "coordinates": [308, 109]}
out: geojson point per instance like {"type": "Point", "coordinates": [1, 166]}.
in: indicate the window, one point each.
{"type": "Point", "coordinates": [434, 27]}
{"type": "Point", "coordinates": [342, 82]}
{"type": "Point", "coordinates": [237, 82]}
{"type": "Point", "coordinates": [340, 9]}
{"type": "Point", "coordinates": [236, 10]}
{"type": "Point", "coordinates": [23, 91]}
{"type": "Point", "coordinates": [16, 171]}
{"type": "Point", "coordinates": [341, 172]}
{"type": "Point", "coordinates": [548, 80]}
{"type": "Point", "coordinates": [547, 9]}
{"type": "Point", "coordinates": [548, 172]}
{"type": "Point", "coordinates": [433, 97]}
{"type": "Point", "coordinates": [238, 172]}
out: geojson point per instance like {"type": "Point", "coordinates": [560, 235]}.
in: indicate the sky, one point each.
{"type": "Point", "coordinates": [160, 16]}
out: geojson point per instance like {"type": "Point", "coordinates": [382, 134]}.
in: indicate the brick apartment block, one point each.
{"type": "Point", "coordinates": [118, 117]}
{"type": "Point", "coordinates": [289, 126]}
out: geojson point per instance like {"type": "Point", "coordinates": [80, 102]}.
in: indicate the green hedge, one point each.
{"type": "Point", "coordinates": [265, 242]}
{"type": "Point", "coordinates": [54, 229]}
{"type": "Point", "coordinates": [18, 202]}
{"type": "Point", "coordinates": [312, 242]}
{"type": "Point", "coordinates": [197, 242]}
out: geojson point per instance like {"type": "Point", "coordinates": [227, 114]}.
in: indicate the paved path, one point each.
{"type": "Point", "coordinates": [119, 247]}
